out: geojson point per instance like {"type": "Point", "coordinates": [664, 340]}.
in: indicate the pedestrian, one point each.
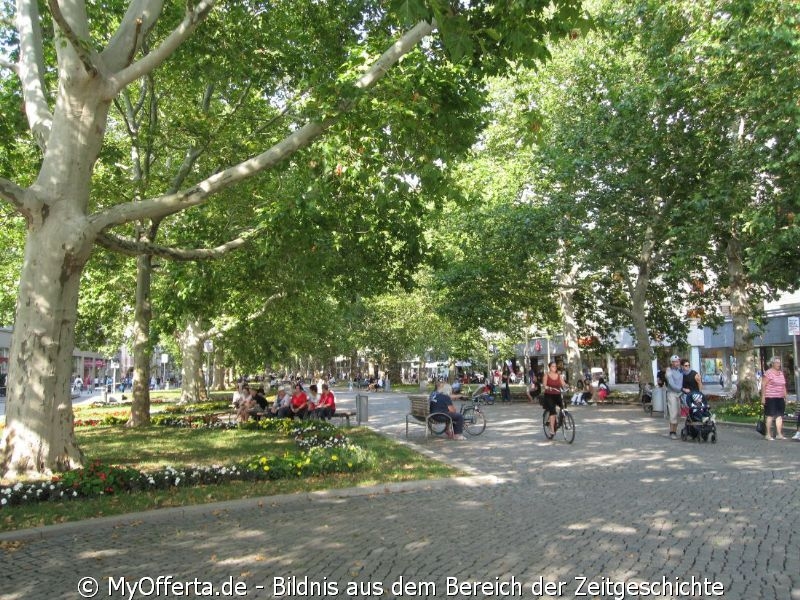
{"type": "Point", "coordinates": [535, 389]}
{"type": "Point", "coordinates": [691, 380]}
{"type": "Point", "coordinates": [674, 379]}
{"type": "Point", "coordinates": [773, 398]}
{"type": "Point", "coordinates": [505, 380]}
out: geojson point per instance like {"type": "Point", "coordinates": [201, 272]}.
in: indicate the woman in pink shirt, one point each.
{"type": "Point", "coordinates": [773, 398]}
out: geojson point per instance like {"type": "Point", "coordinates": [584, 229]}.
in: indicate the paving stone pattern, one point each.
{"type": "Point", "coordinates": [623, 504]}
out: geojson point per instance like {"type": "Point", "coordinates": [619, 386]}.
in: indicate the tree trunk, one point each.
{"type": "Point", "coordinates": [142, 352]}
{"type": "Point", "coordinates": [566, 292]}
{"type": "Point", "coordinates": [39, 436]}
{"type": "Point", "coordinates": [193, 387]}
{"type": "Point", "coordinates": [219, 369]}
{"type": "Point", "coordinates": [644, 353]}
{"type": "Point", "coordinates": [743, 350]}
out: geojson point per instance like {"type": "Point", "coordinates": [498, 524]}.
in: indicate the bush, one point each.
{"type": "Point", "coordinates": [750, 409]}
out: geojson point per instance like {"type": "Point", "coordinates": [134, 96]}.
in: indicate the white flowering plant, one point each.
{"type": "Point", "coordinates": [321, 449]}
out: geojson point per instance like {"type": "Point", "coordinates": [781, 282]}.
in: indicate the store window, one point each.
{"type": "Point", "coordinates": [627, 370]}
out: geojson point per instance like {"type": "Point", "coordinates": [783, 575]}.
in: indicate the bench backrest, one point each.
{"type": "Point", "coordinates": [420, 407]}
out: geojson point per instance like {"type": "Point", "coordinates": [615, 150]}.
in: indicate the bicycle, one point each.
{"type": "Point", "coordinates": [474, 419]}
{"type": "Point", "coordinates": [564, 422]}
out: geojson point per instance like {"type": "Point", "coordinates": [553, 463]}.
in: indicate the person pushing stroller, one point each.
{"type": "Point", "coordinates": [699, 420]}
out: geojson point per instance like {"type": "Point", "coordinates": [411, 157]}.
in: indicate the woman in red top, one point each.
{"type": "Point", "coordinates": [299, 405]}
{"type": "Point", "coordinates": [327, 403]}
{"type": "Point", "coordinates": [773, 398]}
{"type": "Point", "coordinates": [553, 384]}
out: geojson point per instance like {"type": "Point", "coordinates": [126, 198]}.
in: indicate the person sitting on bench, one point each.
{"type": "Point", "coordinates": [326, 405]}
{"type": "Point", "coordinates": [441, 403]}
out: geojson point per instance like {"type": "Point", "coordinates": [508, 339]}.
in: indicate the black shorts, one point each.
{"type": "Point", "coordinates": [774, 407]}
{"type": "Point", "coordinates": [550, 401]}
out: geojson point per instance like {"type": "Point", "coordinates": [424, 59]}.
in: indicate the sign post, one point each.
{"type": "Point", "coordinates": [114, 366]}
{"type": "Point", "coordinates": [794, 331]}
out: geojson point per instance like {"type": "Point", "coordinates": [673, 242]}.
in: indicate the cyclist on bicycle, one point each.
{"type": "Point", "coordinates": [553, 384]}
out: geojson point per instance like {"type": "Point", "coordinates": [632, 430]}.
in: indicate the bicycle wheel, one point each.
{"type": "Point", "coordinates": [436, 426]}
{"type": "Point", "coordinates": [474, 421]}
{"type": "Point", "coordinates": [546, 425]}
{"type": "Point", "coordinates": [568, 427]}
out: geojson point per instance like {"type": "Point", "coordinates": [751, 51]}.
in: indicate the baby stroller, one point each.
{"type": "Point", "coordinates": [700, 422]}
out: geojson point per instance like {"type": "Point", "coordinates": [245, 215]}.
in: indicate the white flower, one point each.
{"type": "Point", "coordinates": [3, 501]}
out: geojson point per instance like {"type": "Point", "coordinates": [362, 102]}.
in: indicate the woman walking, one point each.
{"type": "Point", "coordinates": [773, 398]}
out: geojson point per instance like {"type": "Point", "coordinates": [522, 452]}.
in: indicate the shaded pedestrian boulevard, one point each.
{"type": "Point", "coordinates": [620, 512]}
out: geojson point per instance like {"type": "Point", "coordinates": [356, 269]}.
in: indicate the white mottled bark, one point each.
{"type": "Point", "coordinates": [193, 387]}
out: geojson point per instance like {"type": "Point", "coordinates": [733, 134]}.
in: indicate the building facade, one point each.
{"type": "Point", "coordinates": [710, 350]}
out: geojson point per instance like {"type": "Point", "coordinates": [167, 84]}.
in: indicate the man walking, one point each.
{"type": "Point", "coordinates": [674, 385]}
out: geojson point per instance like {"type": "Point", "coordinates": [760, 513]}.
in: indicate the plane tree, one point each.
{"type": "Point", "coordinates": [738, 67]}
{"type": "Point", "coordinates": [92, 60]}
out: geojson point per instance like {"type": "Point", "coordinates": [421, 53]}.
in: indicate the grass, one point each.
{"type": "Point", "coordinates": [156, 447]}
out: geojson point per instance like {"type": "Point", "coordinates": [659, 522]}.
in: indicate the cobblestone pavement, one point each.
{"type": "Point", "coordinates": [622, 505]}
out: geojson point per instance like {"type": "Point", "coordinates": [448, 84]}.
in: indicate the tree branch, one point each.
{"type": "Point", "coordinates": [17, 197]}
{"type": "Point", "coordinates": [139, 18]}
{"type": "Point", "coordinates": [79, 47]}
{"type": "Point", "coordinates": [157, 56]}
{"type": "Point", "coordinates": [132, 247]}
{"type": "Point", "coordinates": [30, 70]}
{"type": "Point", "coordinates": [198, 194]}
{"type": "Point", "coordinates": [11, 66]}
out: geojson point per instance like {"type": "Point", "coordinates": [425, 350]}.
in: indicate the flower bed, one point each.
{"type": "Point", "coordinates": [321, 450]}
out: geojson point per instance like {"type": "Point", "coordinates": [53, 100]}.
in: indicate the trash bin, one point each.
{"type": "Point", "coordinates": [659, 399]}
{"type": "Point", "coordinates": [362, 408]}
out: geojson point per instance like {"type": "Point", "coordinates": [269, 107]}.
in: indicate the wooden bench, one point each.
{"type": "Point", "coordinates": [420, 414]}
{"type": "Point", "coordinates": [344, 415]}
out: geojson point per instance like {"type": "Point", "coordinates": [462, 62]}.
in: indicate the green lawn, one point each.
{"type": "Point", "coordinates": [157, 447]}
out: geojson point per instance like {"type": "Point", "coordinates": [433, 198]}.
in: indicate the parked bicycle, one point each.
{"type": "Point", "coordinates": [564, 422]}
{"type": "Point", "coordinates": [474, 419]}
